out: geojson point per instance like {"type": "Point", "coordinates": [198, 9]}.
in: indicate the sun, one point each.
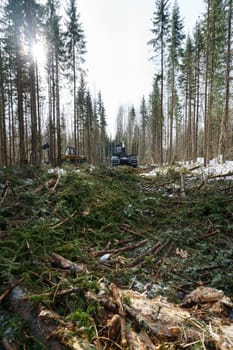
{"type": "Point", "coordinates": [38, 50]}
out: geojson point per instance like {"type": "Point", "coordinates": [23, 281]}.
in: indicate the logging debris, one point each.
{"type": "Point", "coordinates": [106, 252]}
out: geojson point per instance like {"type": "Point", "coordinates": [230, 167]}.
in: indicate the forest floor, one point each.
{"type": "Point", "coordinates": [92, 258]}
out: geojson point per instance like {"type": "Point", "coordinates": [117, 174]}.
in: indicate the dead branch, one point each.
{"type": "Point", "coordinates": [122, 313]}
{"type": "Point", "coordinates": [120, 250]}
{"type": "Point", "coordinates": [221, 175]}
{"type": "Point", "coordinates": [65, 220]}
{"type": "Point", "coordinates": [126, 228]}
{"type": "Point", "coordinates": [52, 190]}
{"type": "Point", "coordinates": [108, 340]}
{"type": "Point", "coordinates": [54, 295]}
{"type": "Point", "coordinates": [142, 256]}
{"type": "Point", "coordinates": [6, 189]}
{"type": "Point", "coordinates": [194, 167]}
{"type": "Point", "coordinates": [50, 185]}
{"type": "Point", "coordinates": [154, 250]}
{"type": "Point", "coordinates": [65, 264]}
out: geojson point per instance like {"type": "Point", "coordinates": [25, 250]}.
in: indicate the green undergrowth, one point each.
{"type": "Point", "coordinates": [94, 210]}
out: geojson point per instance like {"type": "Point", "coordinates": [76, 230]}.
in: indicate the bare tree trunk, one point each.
{"type": "Point", "coordinates": [171, 119]}
{"type": "Point", "coordinates": [34, 127]}
{"type": "Point", "coordinates": [22, 155]}
{"type": "Point", "coordinates": [58, 116]}
{"type": "Point", "coordinates": [38, 113]}
{"type": "Point", "coordinates": [3, 138]}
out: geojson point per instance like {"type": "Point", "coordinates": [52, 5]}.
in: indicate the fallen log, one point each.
{"type": "Point", "coordinates": [47, 326]}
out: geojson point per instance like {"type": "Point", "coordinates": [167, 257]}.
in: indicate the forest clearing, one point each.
{"type": "Point", "coordinates": [103, 257]}
{"type": "Point", "coordinates": [108, 258]}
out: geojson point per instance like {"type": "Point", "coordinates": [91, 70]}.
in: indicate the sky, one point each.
{"type": "Point", "coordinates": [118, 57]}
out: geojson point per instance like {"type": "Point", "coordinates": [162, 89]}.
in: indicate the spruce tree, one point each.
{"type": "Point", "coordinates": [75, 46]}
{"type": "Point", "coordinates": [160, 32]}
{"type": "Point", "coordinates": [198, 78]}
{"type": "Point", "coordinates": [88, 126]}
{"type": "Point", "coordinates": [55, 53]}
{"type": "Point", "coordinates": [174, 60]}
{"type": "Point", "coordinates": [144, 124]}
{"type": "Point", "coordinates": [102, 125]}
{"type": "Point", "coordinates": [187, 80]}
{"type": "Point", "coordinates": [215, 32]}
{"type": "Point", "coordinates": [224, 139]}
{"type": "Point", "coordinates": [155, 104]}
{"type": "Point", "coordinates": [14, 19]}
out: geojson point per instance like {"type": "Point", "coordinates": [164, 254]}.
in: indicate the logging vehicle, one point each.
{"type": "Point", "coordinates": [71, 156]}
{"type": "Point", "coordinates": [120, 157]}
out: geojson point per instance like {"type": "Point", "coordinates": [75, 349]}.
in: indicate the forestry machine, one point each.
{"type": "Point", "coordinates": [120, 157]}
{"type": "Point", "coordinates": [71, 156]}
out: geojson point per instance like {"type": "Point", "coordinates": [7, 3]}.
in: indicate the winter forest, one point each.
{"type": "Point", "coordinates": [187, 115]}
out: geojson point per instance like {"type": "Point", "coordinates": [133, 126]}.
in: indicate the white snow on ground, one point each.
{"type": "Point", "coordinates": [213, 169]}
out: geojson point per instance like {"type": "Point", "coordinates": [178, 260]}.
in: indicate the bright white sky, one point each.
{"type": "Point", "coordinates": [117, 32]}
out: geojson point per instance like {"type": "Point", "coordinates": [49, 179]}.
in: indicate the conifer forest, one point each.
{"type": "Point", "coordinates": [108, 254]}
{"type": "Point", "coordinates": [187, 115]}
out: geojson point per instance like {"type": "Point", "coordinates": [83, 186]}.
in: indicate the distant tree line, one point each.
{"type": "Point", "coordinates": [188, 113]}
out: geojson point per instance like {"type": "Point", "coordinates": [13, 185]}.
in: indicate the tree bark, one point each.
{"type": "Point", "coordinates": [47, 326]}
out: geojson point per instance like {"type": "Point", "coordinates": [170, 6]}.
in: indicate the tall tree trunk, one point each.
{"type": "Point", "coordinates": [3, 137]}
{"type": "Point", "coordinates": [58, 116]}
{"type": "Point", "coordinates": [34, 126]}
{"type": "Point", "coordinates": [38, 113]}
{"type": "Point", "coordinates": [22, 155]}
{"type": "Point", "coordinates": [206, 110]}
{"type": "Point", "coordinates": [171, 118]}
{"type": "Point", "coordinates": [224, 133]}
{"type": "Point", "coordinates": [161, 105]}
